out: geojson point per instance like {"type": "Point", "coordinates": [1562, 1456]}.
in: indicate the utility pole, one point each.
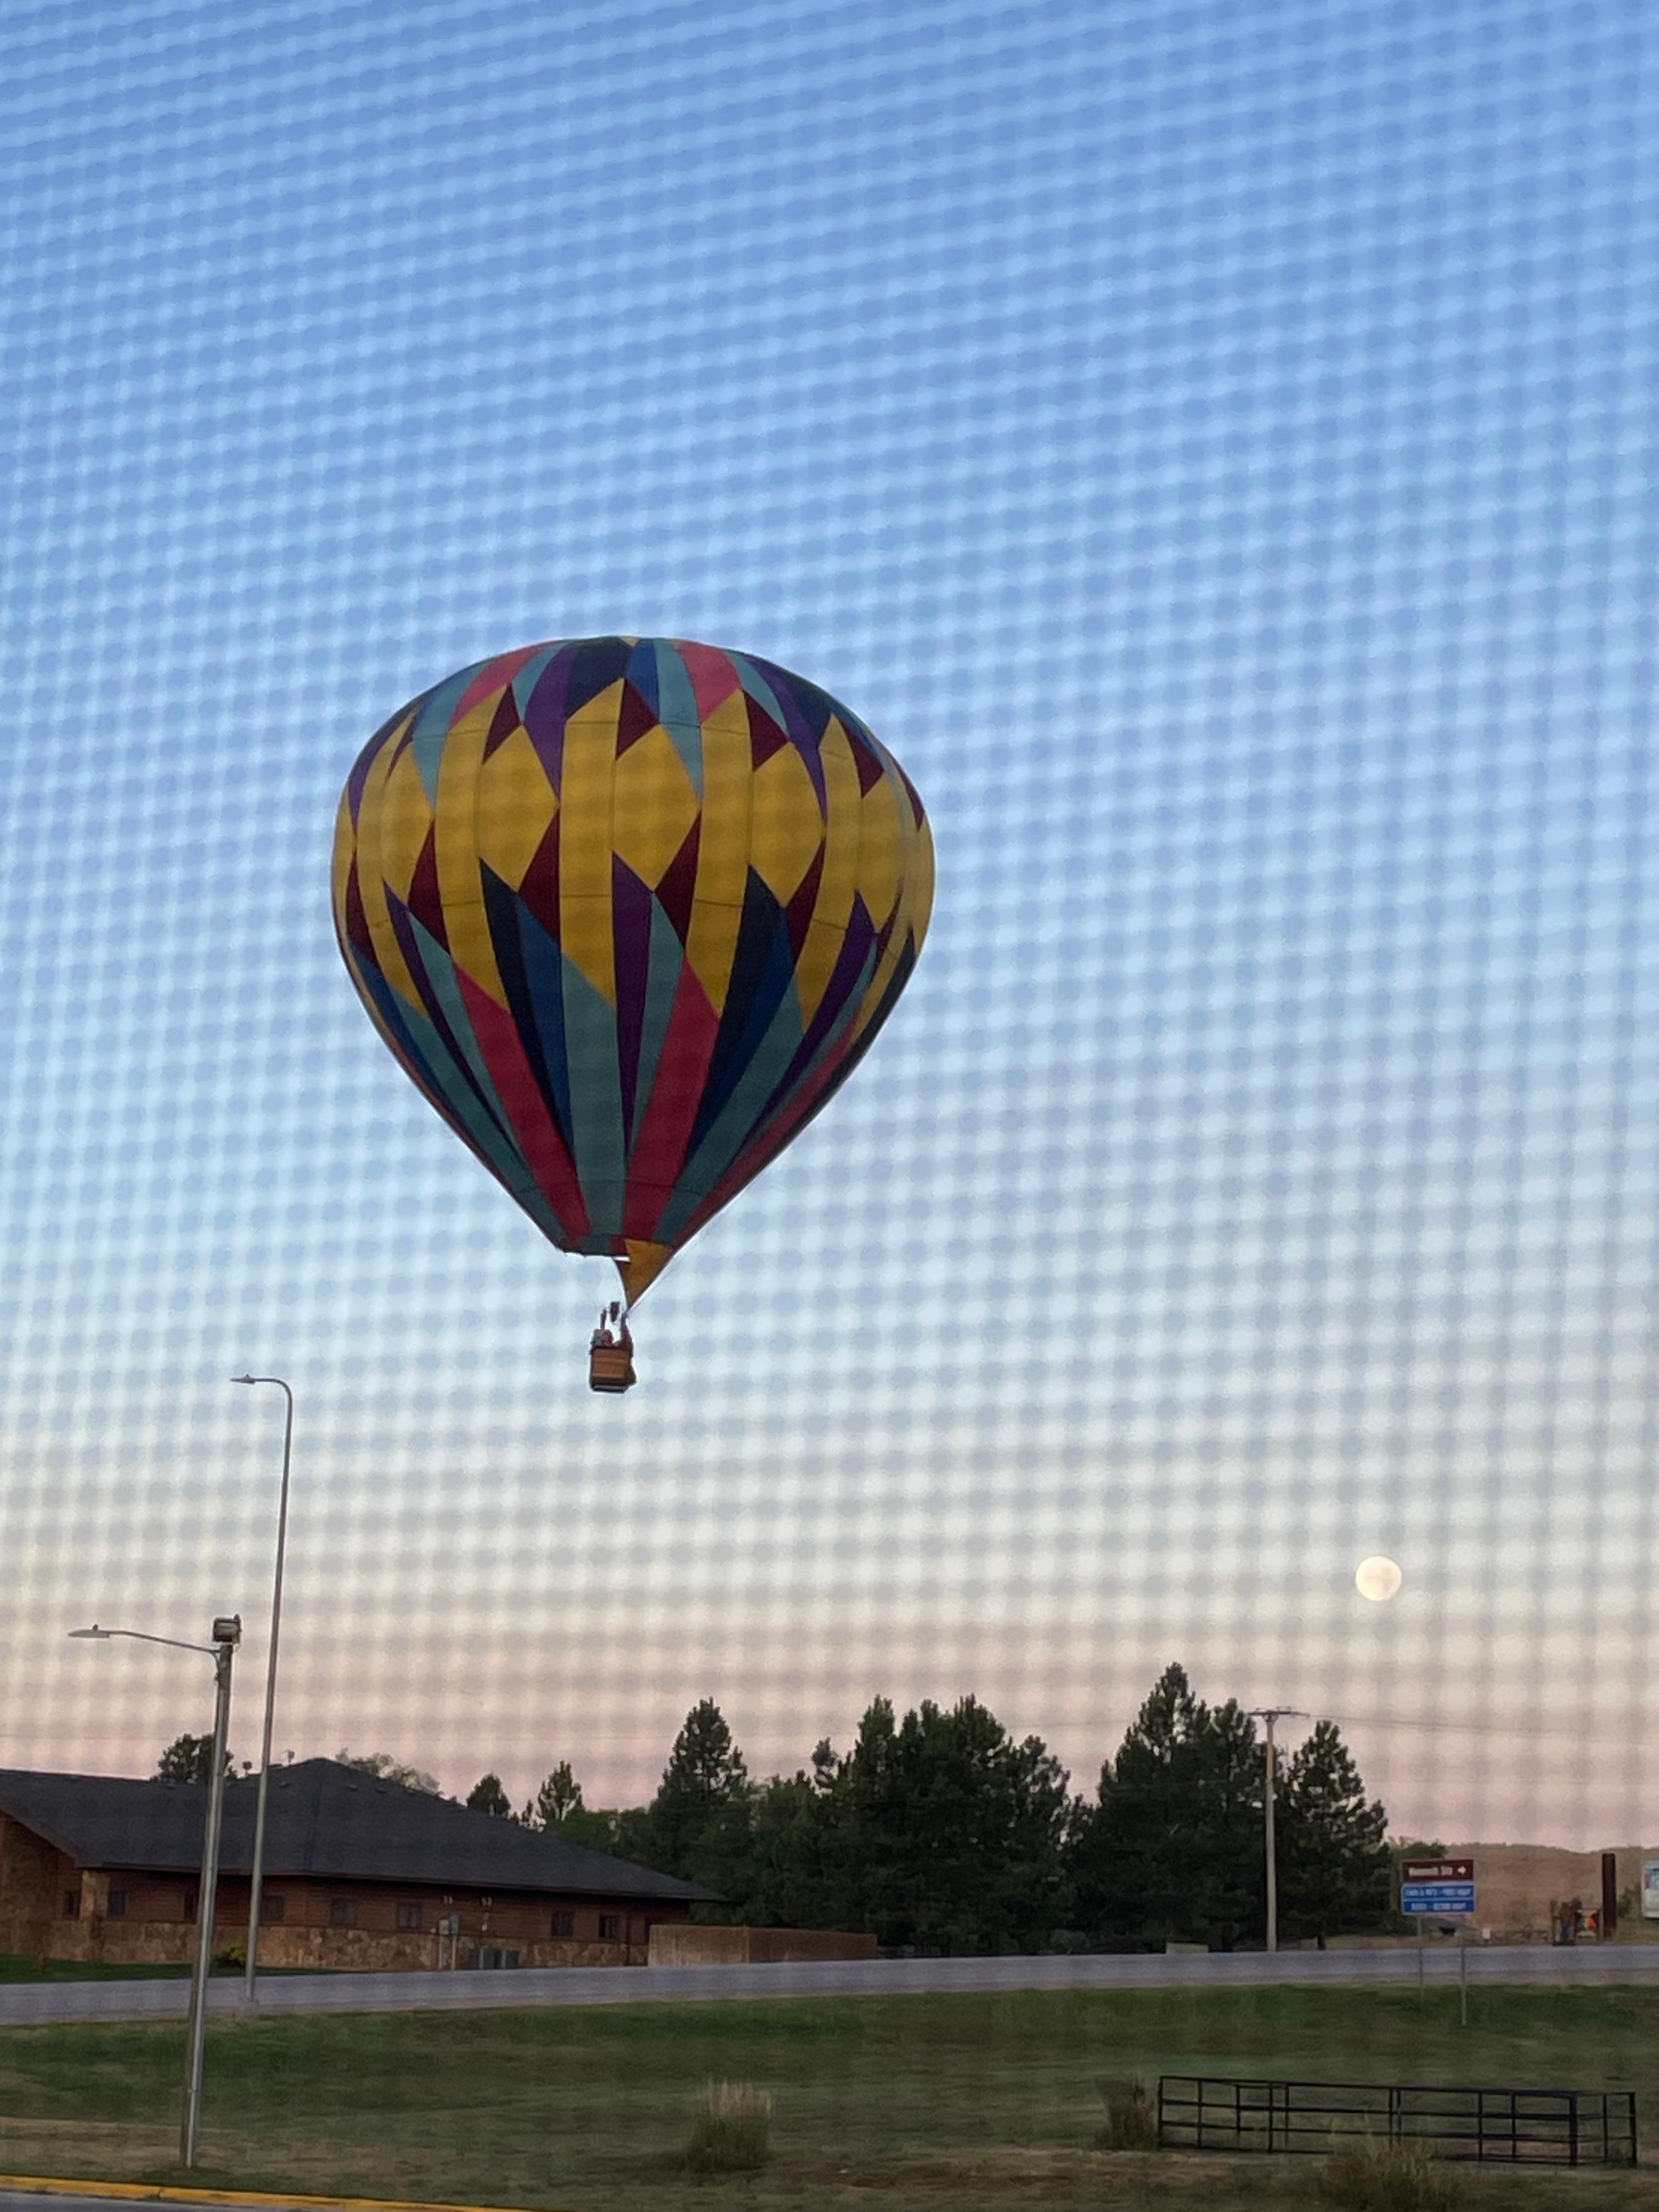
{"type": "Point", "coordinates": [257, 1874]}
{"type": "Point", "coordinates": [1270, 1715]}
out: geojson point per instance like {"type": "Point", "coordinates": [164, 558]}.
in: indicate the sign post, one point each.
{"type": "Point", "coordinates": [1462, 1973]}
{"type": "Point", "coordinates": [1434, 1889]}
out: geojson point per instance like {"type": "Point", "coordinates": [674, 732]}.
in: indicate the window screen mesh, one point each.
{"type": "Point", "coordinates": [1214, 448]}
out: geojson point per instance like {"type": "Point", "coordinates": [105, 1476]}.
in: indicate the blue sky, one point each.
{"type": "Point", "coordinates": [1213, 448]}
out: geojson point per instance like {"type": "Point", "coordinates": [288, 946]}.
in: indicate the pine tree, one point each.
{"type": "Point", "coordinates": [1138, 1853]}
{"type": "Point", "coordinates": [189, 1758]}
{"type": "Point", "coordinates": [1230, 1883]}
{"type": "Point", "coordinates": [766, 1859]}
{"type": "Point", "coordinates": [487, 1795]}
{"type": "Point", "coordinates": [559, 1797]}
{"type": "Point", "coordinates": [705, 1779]}
{"type": "Point", "coordinates": [1334, 1869]}
{"type": "Point", "coordinates": [1172, 1849]}
{"type": "Point", "coordinates": [941, 1831]}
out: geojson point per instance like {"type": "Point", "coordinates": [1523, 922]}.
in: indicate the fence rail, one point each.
{"type": "Point", "coordinates": [1541, 2127]}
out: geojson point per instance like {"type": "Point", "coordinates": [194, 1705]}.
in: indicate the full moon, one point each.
{"type": "Point", "coordinates": [1378, 1579]}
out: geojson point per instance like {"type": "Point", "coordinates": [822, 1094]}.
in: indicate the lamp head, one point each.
{"type": "Point", "coordinates": [101, 1634]}
{"type": "Point", "coordinates": [227, 1628]}
{"type": "Point", "coordinates": [244, 1378]}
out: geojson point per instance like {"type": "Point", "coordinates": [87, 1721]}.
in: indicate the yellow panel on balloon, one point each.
{"type": "Point", "coordinates": [915, 871]}
{"type": "Point", "coordinates": [655, 804]}
{"type": "Point", "coordinates": [403, 818]}
{"type": "Point", "coordinates": [641, 1265]}
{"type": "Point", "coordinates": [515, 806]}
{"type": "Point", "coordinates": [371, 879]}
{"type": "Point", "coordinates": [461, 887]}
{"type": "Point", "coordinates": [722, 847]}
{"type": "Point", "coordinates": [878, 850]}
{"type": "Point", "coordinates": [786, 825]}
{"type": "Point", "coordinates": [345, 852]}
{"type": "Point", "coordinates": [919, 884]}
{"type": "Point", "coordinates": [585, 788]}
{"type": "Point", "coordinates": [844, 821]}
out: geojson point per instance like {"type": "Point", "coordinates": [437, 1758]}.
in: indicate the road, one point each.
{"type": "Point", "coordinates": [38, 2200]}
{"type": "Point", "coordinates": [17, 2200]}
{"type": "Point", "coordinates": [22, 2004]}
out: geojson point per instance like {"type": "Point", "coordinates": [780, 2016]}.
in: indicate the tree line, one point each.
{"type": "Point", "coordinates": [939, 1832]}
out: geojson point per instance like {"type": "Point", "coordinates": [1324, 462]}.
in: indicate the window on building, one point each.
{"type": "Point", "coordinates": [189, 1905]}
{"type": "Point", "coordinates": [411, 1916]}
{"type": "Point", "coordinates": [272, 1909]}
{"type": "Point", "coordinates": [611, 1928]}
{"type": "Point", "coordinates": [342, 1912]}
{"type": "Point", "coordinates": [117, 1907]}
{"type": "Point", "coordinates": [564, 1923]}
{"type": "Point", "coordinates": [72, 1905]}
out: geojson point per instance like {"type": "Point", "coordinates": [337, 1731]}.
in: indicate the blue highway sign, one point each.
{"type": "Point", "coordinates": [1432, 1886]}
{"type": "Point", "coordinates": [1432, 1897]}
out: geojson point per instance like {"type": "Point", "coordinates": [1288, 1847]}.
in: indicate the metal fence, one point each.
{"type": "Point", "coordinates": [1542, 2127]}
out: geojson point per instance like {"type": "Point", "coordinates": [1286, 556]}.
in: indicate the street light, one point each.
{"type": "Point", "coordinates": [227, 1635]}
{"type": "Point", "coordinates": [1269, 1716]}
{"type": "Point", "coordinates": [250, 1982]}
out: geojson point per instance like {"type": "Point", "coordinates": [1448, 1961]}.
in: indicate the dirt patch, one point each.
{"type": "Point", "coordinates": [1517, 1883]}
{"type": "Point", "coordinates": [1102, 2181]}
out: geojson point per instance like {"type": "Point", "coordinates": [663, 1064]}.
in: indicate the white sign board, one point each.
{"type": "Point", "coordinates": [1650, 1889]}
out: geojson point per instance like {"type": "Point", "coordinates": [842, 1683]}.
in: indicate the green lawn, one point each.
{"type": "Point", "coordinates": [970, 2103]}
{"type": "Point", "coordinates": [24, 1966]}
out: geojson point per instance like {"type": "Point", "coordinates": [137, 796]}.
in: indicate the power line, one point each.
{"type": "Point", "coordinates": [1470, 1727]}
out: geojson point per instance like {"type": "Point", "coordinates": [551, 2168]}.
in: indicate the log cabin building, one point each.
{"type": "Point", "coordinates": [359, 1873]}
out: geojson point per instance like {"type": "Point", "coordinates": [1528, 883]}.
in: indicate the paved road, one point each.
{"type": "Point", "coordinates": [16, 2200]}
{"type": "Point", "coordinates": [38, 2200]}
{"type": "Point", "coordinates": [23, 2002]}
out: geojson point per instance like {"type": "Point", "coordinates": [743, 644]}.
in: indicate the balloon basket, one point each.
{"type": "Point", "coordinates": [611, 1368]}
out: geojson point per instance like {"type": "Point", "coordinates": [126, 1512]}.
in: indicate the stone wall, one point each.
{"type": "Point", "coordinates": [686, 1945]}
{"type": "Point", "coordinates": [366, 1950]}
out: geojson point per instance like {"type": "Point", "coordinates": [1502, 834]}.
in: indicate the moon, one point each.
{"type": "Point", "coordinates": [1378, 1579]}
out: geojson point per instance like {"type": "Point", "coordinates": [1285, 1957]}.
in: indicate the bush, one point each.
{"type": "Point", "coordinates": [1381, 2177]}
{"type": "Point", "coordinates": [731, 2130]}
{"type": "Point", "coordinates": [231, 1954]}
{"type": "Point", "coordinates": [1131, 2118]}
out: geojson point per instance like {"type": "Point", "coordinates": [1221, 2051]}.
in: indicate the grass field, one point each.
{"type": "Point", "coordinates": [24, 1966]}
{"type": "Point", "coordinates": [974, 2102]}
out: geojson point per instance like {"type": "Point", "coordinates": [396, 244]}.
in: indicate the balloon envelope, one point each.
{"type": "Point", "coordinates": [628, 911]}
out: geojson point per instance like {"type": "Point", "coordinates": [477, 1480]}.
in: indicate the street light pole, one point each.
{"type": "Point", "coordinates": [250, 1981]}
{"type": "Point", "coordinates": [1269, 1716]}
{"type": "Point", "coordinates": [227, 1635]}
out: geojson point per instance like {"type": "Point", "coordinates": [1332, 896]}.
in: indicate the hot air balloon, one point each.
{"type": "Point", "coordinates": [628, 911]}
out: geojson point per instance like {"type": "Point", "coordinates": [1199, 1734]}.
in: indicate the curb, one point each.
{"type": "Point", "coordinates": [145, 2192]}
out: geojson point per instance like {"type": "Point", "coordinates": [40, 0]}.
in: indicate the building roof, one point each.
{"type": "Point", "coordinates": [324, 1820]}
